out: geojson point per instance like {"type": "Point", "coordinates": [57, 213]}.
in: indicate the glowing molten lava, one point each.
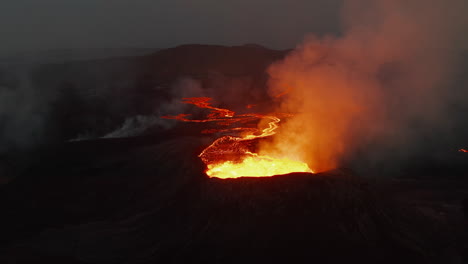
{"type": "Point", "coordinates": [256, 166]}
{"type": "Point", "coordinates": [234, 156]}
{"type": "Point", "coordinates": [464, 150]}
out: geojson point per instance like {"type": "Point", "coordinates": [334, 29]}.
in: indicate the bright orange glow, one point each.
{"type": "Point", "coordinates": [233, 156]}
{"type": "Point", "coordinates": [256, 166]}
{"type": "Point", "coordinates": [283, 93]}
{"type": "Point", "coordinates": [463, 150]}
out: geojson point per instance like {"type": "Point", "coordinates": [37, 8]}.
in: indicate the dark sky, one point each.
{"type": "Point", "coordinates": [64, 24]}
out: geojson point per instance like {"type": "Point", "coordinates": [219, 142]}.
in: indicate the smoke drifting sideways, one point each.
{"type": "Point", "coordinates": [377, 88]}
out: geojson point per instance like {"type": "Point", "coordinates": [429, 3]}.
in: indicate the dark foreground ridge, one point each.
{"type": "Point", "coordinates": [152, 203]}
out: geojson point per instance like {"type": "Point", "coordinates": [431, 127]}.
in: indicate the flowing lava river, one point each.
{"type": "Point", "coordinates": [234, 156]}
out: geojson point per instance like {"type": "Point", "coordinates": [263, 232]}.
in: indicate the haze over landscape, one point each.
{"type": "Point", "coordinates": [28, 25]}
{"type": "Point", "coordinates": [154, 131]}
{"type": "Point", "coordinates": [53, 24]}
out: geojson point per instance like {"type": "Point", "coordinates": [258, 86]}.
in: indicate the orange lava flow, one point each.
{"type": "Point", "coordinates": [464, 150]}
{"type": "Point", "coordinates": [233, 156]}
{"type": "Point", "coordinates": [254, 165]}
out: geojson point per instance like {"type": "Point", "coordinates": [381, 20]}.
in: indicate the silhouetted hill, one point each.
{"type": "Point", "coordinates": [202, 60]}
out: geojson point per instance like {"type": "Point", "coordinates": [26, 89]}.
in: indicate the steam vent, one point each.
{"type": "Point", "coordinates": [149, 201]}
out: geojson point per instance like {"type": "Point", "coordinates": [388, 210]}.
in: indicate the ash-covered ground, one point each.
{"type": "Point", "coordinates": [146, 200]}
{"type": "Point", "coordinates": [90, 174]}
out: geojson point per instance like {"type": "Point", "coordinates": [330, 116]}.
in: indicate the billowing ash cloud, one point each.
{"type": "Point", "coordinates": [379, 84]}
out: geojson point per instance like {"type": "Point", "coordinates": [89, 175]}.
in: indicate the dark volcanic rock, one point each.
{"type": "Point", "coordinates": [147, 200]}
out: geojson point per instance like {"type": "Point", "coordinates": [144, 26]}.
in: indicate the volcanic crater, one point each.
{"type": "Point", "coordinates": [142, 200]}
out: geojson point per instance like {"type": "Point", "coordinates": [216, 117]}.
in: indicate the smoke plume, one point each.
{"type": "Point", "coordinates": [379, 84]}
{"type": "Point", "coordinates": [22, 113]}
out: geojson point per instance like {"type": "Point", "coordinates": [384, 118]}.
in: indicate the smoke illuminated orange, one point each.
{"type": "Point", "coordinates": [233, 156]}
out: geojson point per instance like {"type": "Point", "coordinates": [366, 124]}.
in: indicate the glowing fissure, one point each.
{"type": "Point", "coordinates": [232, 156]}
{"type": "Point", "coordinates": [254, 165]}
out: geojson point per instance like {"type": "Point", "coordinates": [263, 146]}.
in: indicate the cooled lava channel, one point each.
{"type": "Point", "coordinates": [233, 154]}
